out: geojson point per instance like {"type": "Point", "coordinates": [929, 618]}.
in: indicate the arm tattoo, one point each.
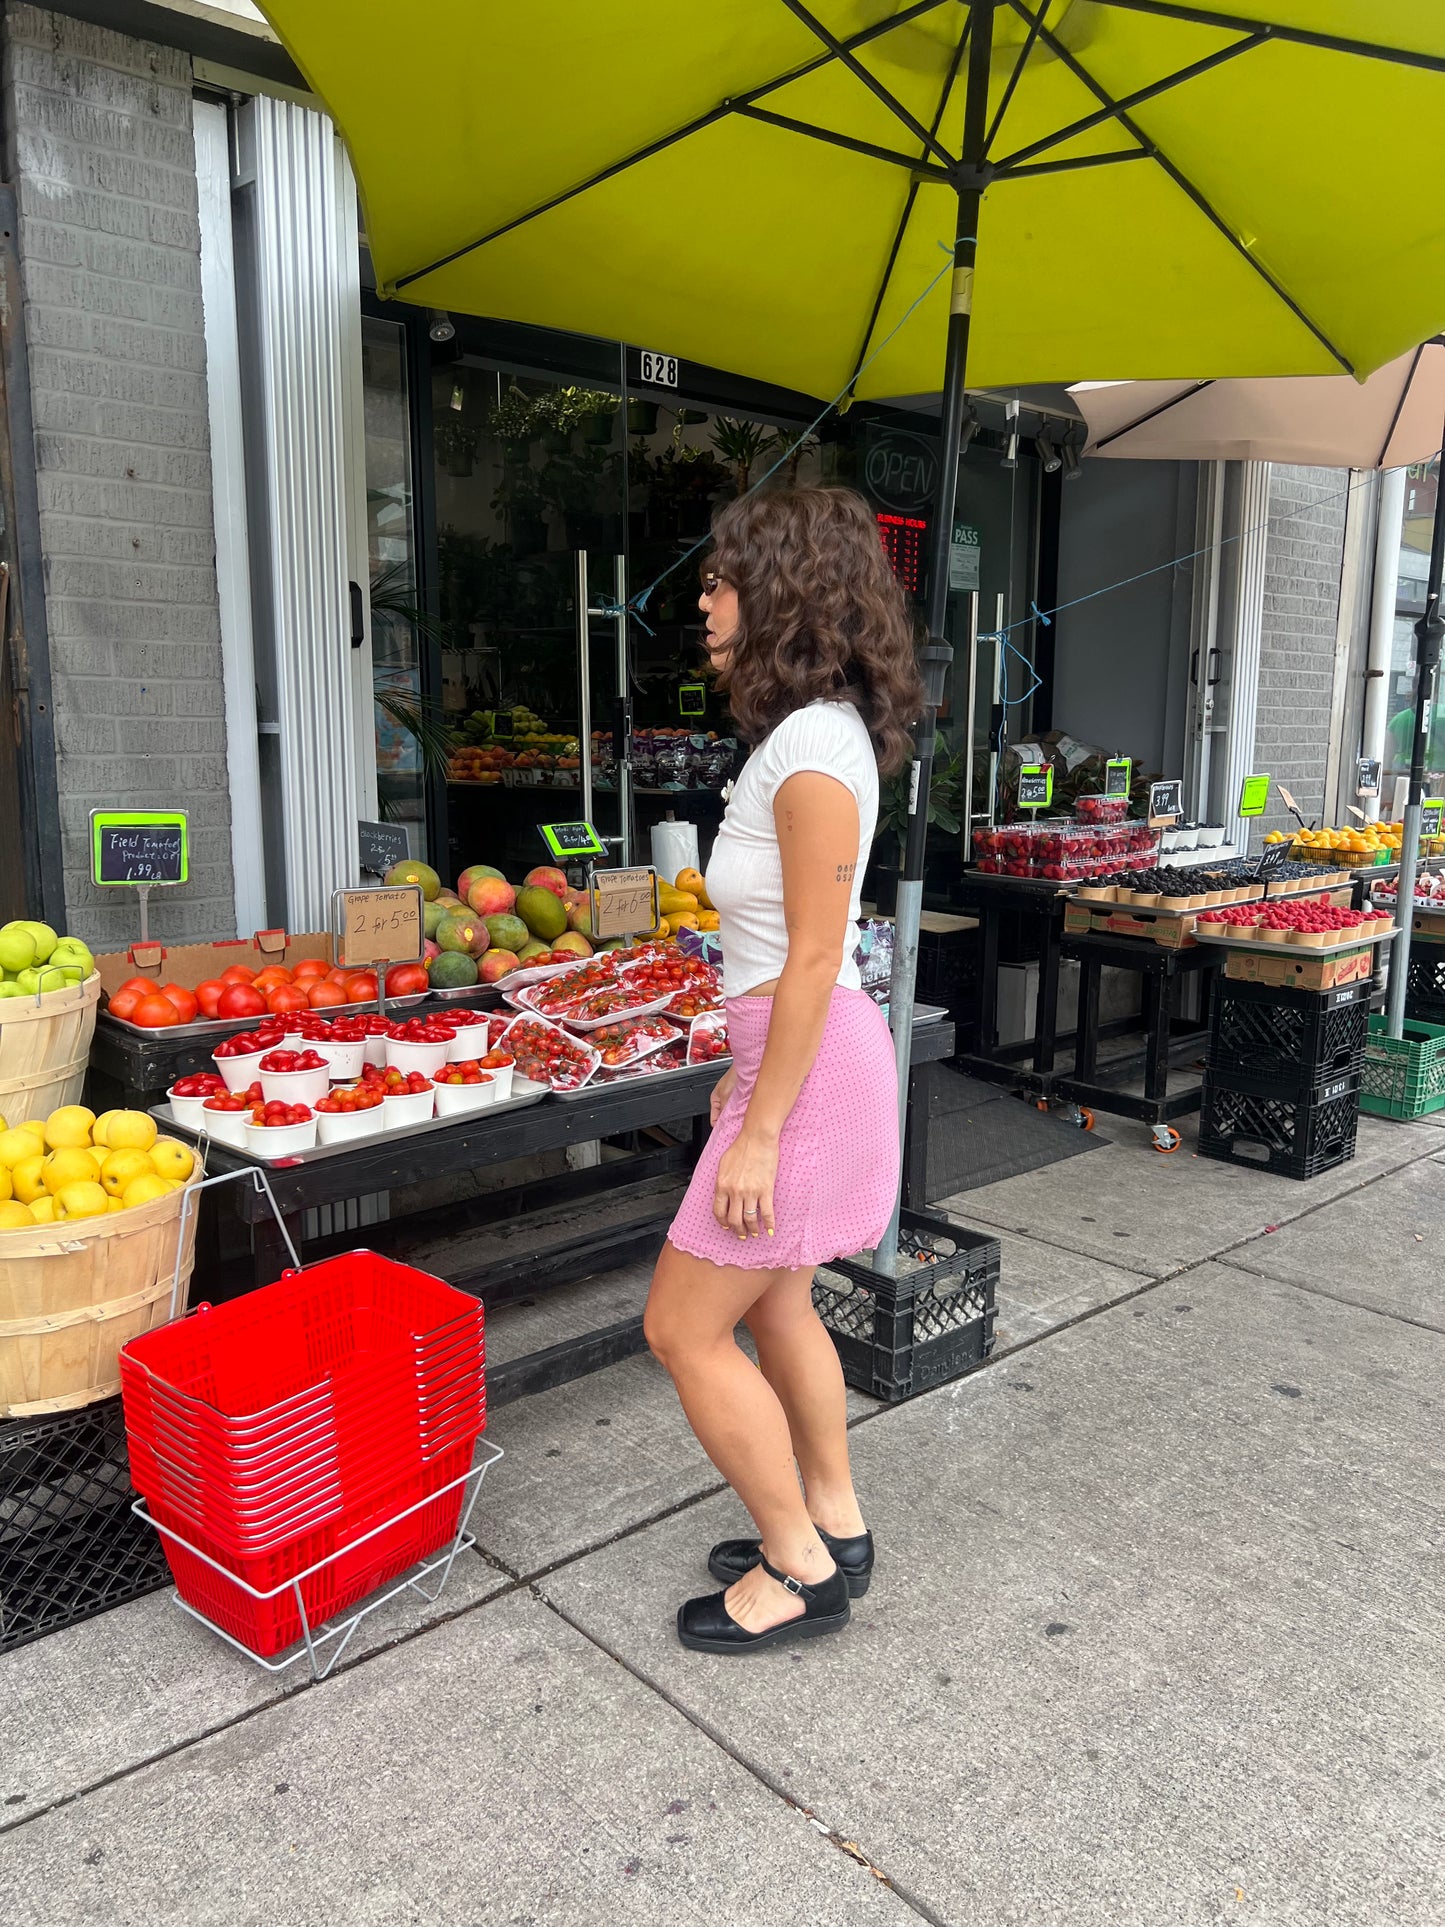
{"type": "Point", "coordinates": [844, 872]}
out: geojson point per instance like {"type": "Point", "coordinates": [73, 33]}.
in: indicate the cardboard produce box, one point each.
{"type": "Point", "coordinates": [1289, 967]}
{"type": "Point", "coordinates": [189, 964]}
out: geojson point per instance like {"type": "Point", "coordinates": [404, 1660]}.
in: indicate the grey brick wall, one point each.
{"type": "Point", "coordinates": [1297, 647]}
{"type": "Point", "coordinates": [98, 140]}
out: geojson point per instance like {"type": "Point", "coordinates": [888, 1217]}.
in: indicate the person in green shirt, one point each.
{"type": "Point", "coordinates": [1401, 731]}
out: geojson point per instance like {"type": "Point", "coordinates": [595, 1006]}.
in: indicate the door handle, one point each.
{"type": "Point", "coordinates": [358, 615]}
{"type": "Point", "coordinates": [1210, 681]}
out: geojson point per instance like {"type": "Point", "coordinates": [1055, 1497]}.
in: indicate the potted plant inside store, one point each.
{"type": "Point", "coordinates": [943, 801]}
{"type": "Point", "coordinates": [456, 445]}
{"type": "Point", "coordinates": [399, 626]}
{"type": "Point", "coordinates": [513, 418]}
{"type": "Point", "coordinates": [741, 444]}
{"type": "Point", "coordinates": [641, 417]}
{"type": "Point", "coordinates": [597, 417]}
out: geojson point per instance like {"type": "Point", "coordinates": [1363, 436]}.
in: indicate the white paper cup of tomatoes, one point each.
{"type": "Point", "coordinates": [187, 1097]}
{"type": "Point", "coordinates": [343, 1045]}
{"type": "Point", "coordinates": [374, 1028]}
{"type": "Point", "coordinates": [499, 1064]}
{"type": "Point", "coordinates": [225, 1116]}
{"type": "Point", "coordinates": [353, 1111]}
{"type": "Point", "coordinates": [473, 1034]}
{"type": "Point", "coordinates": [277, 1129]}
{"type": "Point", "coordinates": [294, 1076]}
{"type": "Point", "coordinates": [463, 1087]}
{"type": "Point", "coordinates": [419, 1044]}
{"type": "Point", "coordinates": [238, 1058]}
{"type": "Point", "coordinates": [408, 1097]}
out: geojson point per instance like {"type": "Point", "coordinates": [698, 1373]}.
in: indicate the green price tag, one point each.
{"type": "Point", "coordinates": [692, 699]}
{"type": "Point", "coordinates": [1254, 796]}
{"type": "Point", "coordinates": [141, 848]}
{"type": "Point", "coordinates": [572, 840]}
{"type": "Point", "coordinates": [1118, 774]}
{"type": "Point", "coordinates": [1432, 816]}
{"type": "Point", "coordinates": [1036, 786]}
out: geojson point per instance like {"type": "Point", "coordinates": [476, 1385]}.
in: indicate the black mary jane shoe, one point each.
{"type": "Point", "coordinates": [706, 1626]}
{"type": "Point", "coordinates": [729, 1560]}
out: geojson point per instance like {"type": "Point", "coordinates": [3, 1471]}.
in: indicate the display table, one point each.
{"type": "Point", "coordinates": [1161, 972]}
{"type": "Point", "coordinates": [1039, 907]}
{"type": "Point", "coordinates": [380, 1164]}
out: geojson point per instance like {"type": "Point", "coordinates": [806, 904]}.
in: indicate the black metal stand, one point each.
{"type": "Point", "coordinates": [1029, 1065]}
{"type": "Point", "coordinates": [1165, 1037]}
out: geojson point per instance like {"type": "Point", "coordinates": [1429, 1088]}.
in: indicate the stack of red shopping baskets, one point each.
{"type": "Point", "coordinates": [293, 1427]}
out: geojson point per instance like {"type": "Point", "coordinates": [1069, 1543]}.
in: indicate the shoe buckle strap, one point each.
{"type": "Point", "coordinates": [784, 1579]}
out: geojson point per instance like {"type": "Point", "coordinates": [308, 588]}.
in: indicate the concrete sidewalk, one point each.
{"type": "Point", "coordinates": [1155, 1636]}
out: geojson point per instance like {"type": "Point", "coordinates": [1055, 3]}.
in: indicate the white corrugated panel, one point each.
{"type": "Point", "coordinates": [305, 242]}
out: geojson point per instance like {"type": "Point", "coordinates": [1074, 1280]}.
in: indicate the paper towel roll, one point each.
{"type": "Point", "coordinates": [674, 848]}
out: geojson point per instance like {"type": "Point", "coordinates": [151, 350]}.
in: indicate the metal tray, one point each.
{"type": "Point", "coordinates": [220, 1028]}
{"type": "Point", "coordinates": [1297, 949]}
{"type": "Point", "coordinates": [518, 1101]}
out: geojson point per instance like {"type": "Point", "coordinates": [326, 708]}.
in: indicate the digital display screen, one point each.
{"type": "Point", "coordinates": [905, 543]}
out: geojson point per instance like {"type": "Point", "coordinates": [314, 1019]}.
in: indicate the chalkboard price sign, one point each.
{"type": "Point", "coordinates": [1254, 796]}
{"type": "Point", "coordinates": [1166, 804]}
{"type": "Point", "coordinates": [623, 901]}
{"type": "Point", "coordinates": [381, 846]}
{"type": "Point", "coordinates": [139, 848]}
{"type": "Point", "coordinates": [1432, 816]}
{"type": "Point", "coordinates": [1118, 773]}
{"type": "Point", "coordinates": [1271, 858]}
{"type": "Point", "coordinates": [1036, 786]}
{"type": "Point", "coordinates": [572, 839]}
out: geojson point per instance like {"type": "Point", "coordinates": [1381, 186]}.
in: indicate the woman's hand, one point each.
{"type": "Point", "coordinates": [721, 1092]}
{"type": "Point", "coordinates": [743, 1198]}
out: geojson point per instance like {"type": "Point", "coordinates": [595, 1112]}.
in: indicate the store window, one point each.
{"type": "Point", "coordinates": [1421, 485]}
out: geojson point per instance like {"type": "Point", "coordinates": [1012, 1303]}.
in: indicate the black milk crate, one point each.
{"type": "Point", "coordinates": [70, 1546]}
{"type": "Point", "coordinates": [1278, 1042]}
{"type": "Point", "coordinates": [1425, 983]}
{"type": "Point", "coordinates": [1289, 1137]}
{"type": "Point", "coordinates": [896, 1337]}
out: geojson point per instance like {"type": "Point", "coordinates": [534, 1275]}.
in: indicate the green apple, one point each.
{"type": "Point", "coordinates": [17, 947]}
{"type": "Point", "coordinates": [71, 954]}
{"type": "Point", "coordinates": [45, 937]}
{"type": "Point", "coordinates": [35, 982]}
{"type": "Point", "coordinates": [10, 990]}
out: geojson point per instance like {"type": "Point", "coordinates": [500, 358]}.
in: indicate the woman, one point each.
{"type": "Point", "coordinates": [810, 636]}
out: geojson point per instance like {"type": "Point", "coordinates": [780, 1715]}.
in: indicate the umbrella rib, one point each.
{"type": "Point", "coordinates": [1074, 163]}
{"type": "Point", "coordinates": [914, 166]}
{"type": "Point", "coordinates": [1170, 81]}
{"type": "Point", "coordinates": [840, 50]}
{"type": "Point", "coordinates": [1400, 405]}
{"type": "Point", "coordinates": [1013, 80]}
{"type": "Point", "coordinates": [664, 141]}
{"type": "Point", "coordinates": [1151, 414]}
{"type": "Point", "coordinates": [1182, 182]}
{"type": "Point", "coordinates": [1298, 36]}
{"type": "Point", "coordinates": [949, 78]}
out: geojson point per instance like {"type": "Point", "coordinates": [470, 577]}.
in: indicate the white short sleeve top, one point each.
{"type": "Point", "coordinates": [745, 871]}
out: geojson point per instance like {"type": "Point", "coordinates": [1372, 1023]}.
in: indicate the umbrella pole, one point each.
{"type": "Point", "coordinates": [1428, 632]}
{"type": "Point", "coordinates": [937, 654]}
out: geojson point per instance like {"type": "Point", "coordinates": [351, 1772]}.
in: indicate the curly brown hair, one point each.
{"type": "Point", "coordinates": [821, 616]}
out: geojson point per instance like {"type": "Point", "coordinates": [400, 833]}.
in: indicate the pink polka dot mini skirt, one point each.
{"type": "Point", "coordinates": [838, 1154]}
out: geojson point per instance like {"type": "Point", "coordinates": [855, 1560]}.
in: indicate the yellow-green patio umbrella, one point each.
{"type": "Point", "coordinates": [869, 194]}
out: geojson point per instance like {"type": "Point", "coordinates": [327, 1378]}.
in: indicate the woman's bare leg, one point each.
{"type": "Point", "coordinates": [800, 1362]}
{"type": "Point", "coordinates": [692, 1313]}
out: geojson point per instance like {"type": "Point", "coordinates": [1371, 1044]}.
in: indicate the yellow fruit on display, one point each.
{"type": "Point", "coordinates": [692, 882]}
{"type": "Point", "coordinates": [101, 1126]}
{"type": "Point", "coordinates": [68, 1126]}
{"type": "Point", "coordinates": [144, 1191]}
{"type": "Point", "coordinates": [128, 1131]}
{"type": "Point", "coordinates": [122, 1168]}
{"type": "Point", "coordinates": [15, 1217]}
{"type": "Point", "coordinates": [7, 1185]}
{"type": "Point", "coordinates": [87, 1200]}
{"type": "Point", "coordinates": [115, 1204]}
{"type": "Point", "coordinates": [66, 1167]}
{"type": "Point", "coordinates": [45, 1210]}
{"type": "Point", "coordinates": [35, 1126]}
{"type": "Point", "coordinates": [27, 1179]}
{"type": "Point", "coordinates": [19, 1144]}
{"type": "Point", "coordinates": [172, 1159]}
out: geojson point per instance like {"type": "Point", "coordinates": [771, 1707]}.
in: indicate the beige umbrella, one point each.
{"type": "Point", "coordinates": [1328, 421]}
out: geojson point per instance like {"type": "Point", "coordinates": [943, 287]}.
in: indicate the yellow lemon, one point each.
{"type": "Point", "coordinates": [68, 1126]}
{"type": "Point", "coordinates": [129, 1131]}
{"type": "Point", "coordinates": [65, 1167]}
{"type": "Point", "coordinates": [19, 1144]}
{"type": "Point", "coordinates": [44, 1210]}
{"type": "Point", "coordinates": [172, 1159]}
{"type": "Point", "coordinates": [122, 1168]}
{"type": "Point", "coordinates": [87, 1200]}
{"type": "Point", "coordinates": [143, 1190]}
{"type": "Point", "coordinates": [7, 1185]}
{"type": "Point", "coordinates": [15, 1217]}
{"type": "Point", "coordinates": [27, 1180]}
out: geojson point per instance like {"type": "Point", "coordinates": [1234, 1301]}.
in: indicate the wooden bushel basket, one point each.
{"type": "Point", "coordinates": [44, 1049]}
{"type": "Point", "coordinates": [72, 1294]}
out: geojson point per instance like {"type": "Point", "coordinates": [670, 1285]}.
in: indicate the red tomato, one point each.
{"type": "Point", "coordinates": [308, 968]}
{"type": "Point", "coordinates": [361, 987]}
{"type": "Point", "coordinates": [237, 974]}
{"type": "Point", "coordinates": [336, 975]}
{"type": "Point", "coordinates": [155, 1012]}
{"type": "Point", "coordinates": [123, 1004]}
{"type": "Point", "coordinates": [240, 1000]}
{"type": "Point", "coordinates": [185, 1001]}
{"type": "Point", "coordinates": [209, 995]}
{"type": "Point", "coordinates": [271, 978]}
{"type": "Point", "coordinates": [136, 986]}
{"type": "Point", "coordinates": [283, 998]}
{"type": "Point", "coordinates": [322, 995]}
{"type": "Point", "coordinates": [405, 980]}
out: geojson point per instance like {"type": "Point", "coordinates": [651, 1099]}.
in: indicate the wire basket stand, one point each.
{"type": "Point", "coordinates": [323, 1645]}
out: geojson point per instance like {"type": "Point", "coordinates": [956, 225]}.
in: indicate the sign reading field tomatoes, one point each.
{"type": "Point", "coordinates": [379, 927]}
{"type": "Point", "coordinates": [139, 847]}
